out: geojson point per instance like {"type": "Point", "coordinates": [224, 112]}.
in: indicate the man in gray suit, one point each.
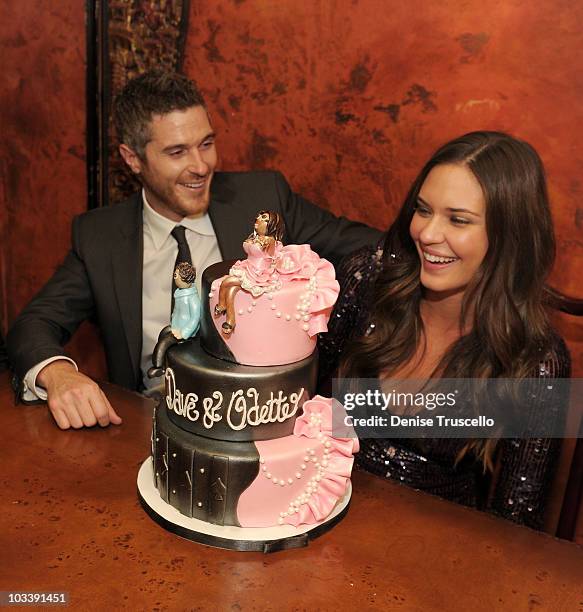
{"type": "Point", "coordinates": [119, 269]}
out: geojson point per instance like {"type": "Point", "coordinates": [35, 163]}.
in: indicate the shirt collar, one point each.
{"type": "Point", "coordinates": [160, 227]}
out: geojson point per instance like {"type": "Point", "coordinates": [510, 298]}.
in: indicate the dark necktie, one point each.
{"type": "Point", "coordinates": [178, 233]}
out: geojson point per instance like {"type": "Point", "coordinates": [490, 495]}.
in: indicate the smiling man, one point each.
{"type": "Point", "coordinates": [177, 164]}
{"type": "Point", "coordinates": [119, 269]}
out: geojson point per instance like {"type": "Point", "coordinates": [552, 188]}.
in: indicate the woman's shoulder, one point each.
{"type": "Point", "coordinates": [356, 275]}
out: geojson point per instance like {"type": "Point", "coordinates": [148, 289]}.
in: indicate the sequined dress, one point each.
{"type": "Point", "coordinates": [526, 467]}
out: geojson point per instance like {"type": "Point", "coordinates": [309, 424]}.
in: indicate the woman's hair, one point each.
{"type": "Point", "coordinates": [275, 225]}
{"type": "Point", "coordinates": [503, 304]}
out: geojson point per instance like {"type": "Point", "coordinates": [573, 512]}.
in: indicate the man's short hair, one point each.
{"type": "Point", "coordinates": [155, 92]}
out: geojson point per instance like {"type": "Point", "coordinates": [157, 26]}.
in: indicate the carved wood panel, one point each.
{"type": "Point", "coordinates": [125, 38]}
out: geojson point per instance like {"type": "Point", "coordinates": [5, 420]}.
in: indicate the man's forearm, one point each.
{"type": "Point", "coordinates": [54, 368]}
{"type": "Point", "coordinates": [34, 382]}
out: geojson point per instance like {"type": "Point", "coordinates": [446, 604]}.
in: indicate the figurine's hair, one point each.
{"type": "Point", "coordinates": [275, 224]}
{"type": "Point", "coordinates": [155, 92]}
{"type": "Point", "coordinates": [186, 272]}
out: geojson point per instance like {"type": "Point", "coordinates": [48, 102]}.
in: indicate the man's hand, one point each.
{"type": "Point", "coordinates": [74, 399]}
{"type": "Point", "coordinates": [177, 334]}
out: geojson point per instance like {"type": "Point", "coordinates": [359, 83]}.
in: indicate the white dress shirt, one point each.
{"type": "Point", "coordinates": [160, 251]}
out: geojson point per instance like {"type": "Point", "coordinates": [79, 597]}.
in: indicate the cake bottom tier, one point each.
{"type": "Point", "coordinates": [249, 539]}
{"type": "Point", "coordinates": [294, 480]}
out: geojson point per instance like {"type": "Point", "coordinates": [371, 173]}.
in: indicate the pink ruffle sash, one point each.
{"type": "Point", "coordinates": [299, 262]}
{"type": "Point", "coordinates": [316, 422]}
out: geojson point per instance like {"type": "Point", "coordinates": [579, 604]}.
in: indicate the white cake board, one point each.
{"type": "Point", "coordinates": [263, 539]}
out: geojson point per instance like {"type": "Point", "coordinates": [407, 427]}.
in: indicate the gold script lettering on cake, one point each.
{"type": "Point", "coordinates": [175, 400]}
{"type": "Point", "coordinates": [276, 409]}
{"type": "Point", "coordinates": [243, 408]}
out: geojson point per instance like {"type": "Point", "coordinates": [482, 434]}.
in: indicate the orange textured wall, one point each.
{"type": "Point", "coordinates": [349, 97]}
{"type": "Point", "coordinates": [42, 149]}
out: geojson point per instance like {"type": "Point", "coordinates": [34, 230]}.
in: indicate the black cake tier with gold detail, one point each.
{"type": "Point", "coordinates": [221, 400]}
{"type": "Point", "coordinates": [200, 477]}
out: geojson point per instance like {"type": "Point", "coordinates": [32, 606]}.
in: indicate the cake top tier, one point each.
{"type": "Point", "coordinates": [267, 309]}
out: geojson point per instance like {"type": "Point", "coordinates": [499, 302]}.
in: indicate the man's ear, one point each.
{"type": "Point", "coordinates": [131, 158]}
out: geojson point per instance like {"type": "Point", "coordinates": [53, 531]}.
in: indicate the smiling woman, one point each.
{"type": "Point", "coordinates": [456, 291]}
{"type": "Point", "coordinates": [449, 229]}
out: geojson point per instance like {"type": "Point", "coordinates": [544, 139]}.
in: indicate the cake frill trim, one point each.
{"type": "Point", "coordinates": [299, 262]}
{"type": "Point", "coordinates": [333, 470]}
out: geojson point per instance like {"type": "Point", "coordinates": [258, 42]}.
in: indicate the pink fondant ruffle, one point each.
{"type": "Point", "coordinates": [299, 262]}
{"type": "Point", "coordinates": [316, 419]}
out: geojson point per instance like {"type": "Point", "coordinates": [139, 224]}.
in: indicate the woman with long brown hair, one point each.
{"type": "Point", "coordinates": [456, 290]}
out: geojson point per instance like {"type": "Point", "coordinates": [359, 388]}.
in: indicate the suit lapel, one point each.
{"type": "Point", "coordinates": [230, 222]}
{"type": "Point", "coordinates": [127, 265]}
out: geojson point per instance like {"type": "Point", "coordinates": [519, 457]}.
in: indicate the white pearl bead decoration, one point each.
{"type": "Point", "coordinates": [311, 457]}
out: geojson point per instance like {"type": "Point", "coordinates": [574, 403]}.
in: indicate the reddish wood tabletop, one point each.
{"type": "Point", "coordinates": [71, 521]}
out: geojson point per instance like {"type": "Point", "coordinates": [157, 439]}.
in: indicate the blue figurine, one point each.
{"type": "Point", "coordinates": [185, 319]}
{"type": "Point", "coordinates": [186, 314]}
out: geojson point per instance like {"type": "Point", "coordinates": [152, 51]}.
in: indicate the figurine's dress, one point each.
{"type": "Point", "coordinates": [257, 273]}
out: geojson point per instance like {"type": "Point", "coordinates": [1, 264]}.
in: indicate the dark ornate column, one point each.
{"type": "Point", "coordinates": [124, 39]}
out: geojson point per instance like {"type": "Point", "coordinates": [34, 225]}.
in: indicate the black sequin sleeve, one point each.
{"type": "Point", "coordinates": [356, 274]}
{"type": "Point", "coordinates": [528, 465]}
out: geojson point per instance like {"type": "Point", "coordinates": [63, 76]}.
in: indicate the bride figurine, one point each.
{"type": "Point", "coordinates": [257, 273]}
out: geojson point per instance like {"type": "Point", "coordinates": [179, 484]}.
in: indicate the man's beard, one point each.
{"type": "Point", "coordinates": [169, 197]}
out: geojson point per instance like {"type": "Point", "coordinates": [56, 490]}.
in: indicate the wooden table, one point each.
{"type": "Point", "coordinates": [71, 521]}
